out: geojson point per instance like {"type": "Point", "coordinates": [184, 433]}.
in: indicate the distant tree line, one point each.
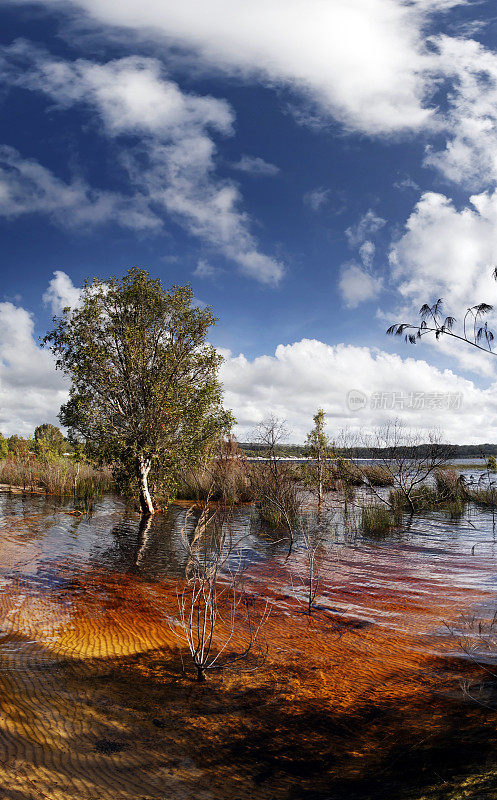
{"type": "Point", "coordinates": [254, 450]}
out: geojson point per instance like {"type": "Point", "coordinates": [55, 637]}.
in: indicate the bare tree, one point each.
{"type": "Point", "coordinates": [408, 457]}
{"type": "Point", "coordinates": [476, 637]}
{"type": "Point", "coordinates": [217, 621]}
{"type": "Point", "coordinates": [311, 574]}
{"type": "Point", "coordinates": [274, 481]}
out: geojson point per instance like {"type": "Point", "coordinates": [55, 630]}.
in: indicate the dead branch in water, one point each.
{"type": "Point", "coordinates": [217, 621]}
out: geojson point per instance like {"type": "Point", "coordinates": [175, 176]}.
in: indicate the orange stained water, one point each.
{"type": "Point", "coordinates": [94, 704]}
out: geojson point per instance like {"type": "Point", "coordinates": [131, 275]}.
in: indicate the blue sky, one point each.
{"type": "Point", "coordinates": [314, 170]}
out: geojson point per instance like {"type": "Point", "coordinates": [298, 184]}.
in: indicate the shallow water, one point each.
{"type": "Point", "coordinates": [87, 659]}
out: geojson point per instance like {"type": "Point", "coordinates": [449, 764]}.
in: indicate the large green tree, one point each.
{"type": "Point", "coordinates": [145, 392]}
{"type": "Point", "coordinates": [49, 440]}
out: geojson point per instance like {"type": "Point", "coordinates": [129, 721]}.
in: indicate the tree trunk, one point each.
{"type": "Point", "coordinates": [143, 468]}
{"type": "Point", "coordinates": [200, 674]}
{"type": "Point", "coordinates": [320, 480]}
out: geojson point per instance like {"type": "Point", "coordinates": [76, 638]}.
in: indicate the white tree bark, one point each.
{"type": "Point", "coordinates": [143, 468]}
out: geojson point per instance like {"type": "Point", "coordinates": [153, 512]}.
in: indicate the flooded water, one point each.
{"type": "Point", "coordinates": [377, 694]}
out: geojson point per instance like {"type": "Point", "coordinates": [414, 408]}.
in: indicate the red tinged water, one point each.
{"type": "Point", "coordinates": [375, 694]}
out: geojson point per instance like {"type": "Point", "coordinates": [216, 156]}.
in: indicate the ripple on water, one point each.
{"type": "Point", "coordinates": [80, 592]}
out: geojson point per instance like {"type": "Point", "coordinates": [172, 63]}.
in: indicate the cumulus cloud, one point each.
{"type": "Point", "coordinates": [301, 376]}
{"type": "Point", "coordinates": [170, 160]}
{"type": "Point", "coordinates": [31, 391]}
{"type": "Point", "coordinates": [255, 166]}
{"type": "Point", "coordinates": [367, 63]}
{"type": "Point", "coordinates": [448, 253]}
{"type": "Point", "coordinates": [366, 252]}
{"type": "Point", "coordinates": [357, 285]}
{"type": "Point", "coordinates": [291, 383]}
{"type": "Point", "coordinates": [357, 282]}
{"type": "Point", "coordinates": [61, 293]}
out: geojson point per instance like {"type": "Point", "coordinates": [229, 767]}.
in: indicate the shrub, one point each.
{"type": "Point", "coordinates": [448, 493]}
{"type": "Point", "coordinates": [484, 496]}
{"type": "Point", "coordinates": [449, 486]}
{"type": "Point", "coordinates": [276, 493]}
{"type": "Point", "coordinates": [376, 519]}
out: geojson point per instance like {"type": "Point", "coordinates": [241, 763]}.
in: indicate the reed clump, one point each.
{"type": "Point", "coordinates": [450, 487]}
{"type": "Point", "coordinates": [59, 477]}
{"type": "Point", "coordinates": [213, 482]}
{"type": "Point", "coordinates": [484, 496]}
{"type": "Point", "coordinates": [372, 474]}
{"type": "Point", "coordinates": [377, 519]}
{"type": "Point", "coordinates": [225, 476]}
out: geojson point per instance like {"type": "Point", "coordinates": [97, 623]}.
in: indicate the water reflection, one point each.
{"type": "Point", "coordinates": [54, 553]}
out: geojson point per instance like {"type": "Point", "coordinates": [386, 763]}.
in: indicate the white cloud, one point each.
{"type": "Point", "coordinates": [367, 63]}
{"type": "Point", "coordinates": [299, 377]}
{"type": "Point", "coordinates": [61, 293]}
{"type": "Point", "coordinates": [449, 253]}
{"type": "Point", "coordinates": [26, 187]}
{"type": "Point", "coordinates": [406, 183]}
{"type": "Point", "coordinates": [470, 153]}
{"type": "Point", "coordinates": [366, 252]}
{"type": "Point", "coordinates": [357, 285]}
{"type": "Point", "coordinates": [31, 391]}
{"type": "Point", "coordinates": [363, 62]}
{"type": "Point", "coordinates": [170, 163]}
{"type": "Point", "coordinates": [316, 198]}
{"type": "Point", "coordinates": [357, 282]}
{"type": "Point", "coordinates": [255, 166]}
{"type": "Point", "coordinates": [206, 270]}
{"type": "Point", "coordinates": [369, 223]}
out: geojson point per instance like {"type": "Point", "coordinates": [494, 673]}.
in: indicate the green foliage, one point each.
{"type": "Point", "coordinates": [448, 494]}
{"type": "Point", "coordinates": [4, 447]}
{"type": "Point", "coordinates": [145, 394]}
{"type": "Point", "coordinates": [376, 519]}
{"type": "Point", "coordinates": [19, 447]}
{"type": "Point", "coordinates": [317, 442]}
{"type": "Point", "coordinates": [318, 449]}
{"type": "Point", "coordinates": [492, 464]}
{"type": "Point", "coordinates": [49, 440]}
